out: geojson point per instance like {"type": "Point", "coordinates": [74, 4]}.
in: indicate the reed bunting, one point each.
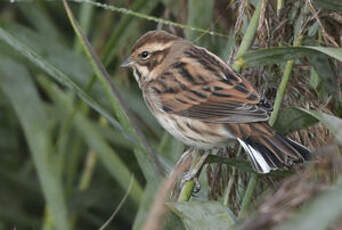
{"type": "Point", "coordinates": [200, 100]}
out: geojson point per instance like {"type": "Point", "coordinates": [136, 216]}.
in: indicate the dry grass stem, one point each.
{"type": "Point", "coordinates": [158, 210]}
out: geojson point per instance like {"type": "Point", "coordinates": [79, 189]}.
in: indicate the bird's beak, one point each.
{"type": "Point", "coordinates": [127, 62]}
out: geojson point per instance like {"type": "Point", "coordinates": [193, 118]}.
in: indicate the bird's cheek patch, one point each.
{"type": "Point", "coordinates": [143, 71]}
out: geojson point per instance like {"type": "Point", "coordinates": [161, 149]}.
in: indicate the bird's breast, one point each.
{"type": "Point", "coordinates": [194, 132]}
{"type": "Point", "coordinates": [190, 131]}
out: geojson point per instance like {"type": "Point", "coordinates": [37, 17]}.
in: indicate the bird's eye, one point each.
{"type": "Point", "coordinates": [144, 54]}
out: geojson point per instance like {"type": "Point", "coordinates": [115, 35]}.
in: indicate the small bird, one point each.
{"type": "Point", "coordinates": [201, 101]}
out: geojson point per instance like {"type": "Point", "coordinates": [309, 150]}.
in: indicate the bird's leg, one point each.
{"type": "Point", "coordinates": [183, 164]}
{"type": "Point", "coordinates": [185, 157]}
{"type": "Point", "coordinates": [195, 168]}
{"type": "Point", "coordinates": [197, 186]}
{"type": "Point", "coordinates": [189, 182]}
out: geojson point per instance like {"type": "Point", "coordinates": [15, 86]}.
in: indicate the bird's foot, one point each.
{"type": "Point", "coordinates": [193, 173]}
{"type": "Point", "coordinates": [197, 186]}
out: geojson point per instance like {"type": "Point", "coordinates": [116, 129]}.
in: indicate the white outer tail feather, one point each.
{"type": "Point", "coordinates": [258, 160]}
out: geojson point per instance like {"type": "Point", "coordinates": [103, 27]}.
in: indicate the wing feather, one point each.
{"type": "Point", "coordinates": [201, 86]}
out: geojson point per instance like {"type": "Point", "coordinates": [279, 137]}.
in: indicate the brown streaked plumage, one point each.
{"type": "Point", "coordinates": [201, 101]}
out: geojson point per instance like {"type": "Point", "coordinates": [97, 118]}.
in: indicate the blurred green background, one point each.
{"type": "Point", "coordinates": [69, 154]}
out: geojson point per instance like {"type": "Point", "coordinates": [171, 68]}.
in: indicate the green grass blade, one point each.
{"type": "Point", "coordinates": [108, 157]}
{"type": "Point", "coordinates": [249, 36]}
{"type": "Point", "coordinates": [329, 4]}
{"type": "Point", "coordinates": [332, 52]}
{"type": "Point", "coordinates": [282, 86]}
{"type": "Point", "coordinates": [333, 123]}
{"type": "Point", "coordinates": [324, 69]}
{"type": "Point", "coordinates": [40, 20]}
{"type": "Point", "coordinates": [229, 47]}
{"type": "Point", "coordinates": [293, 119]}
{"type": "Point", "coordinates": [56, 74]}
{"type": "Point", "coordinates": [276, 55]}
{"type": "Point", "coordinates": [96, 142]}
{"type": "Point", "coordinates": [86, 14]}
{"type": "Point", "coordinates": [19, 88]}
{"type": "Point", "coordinates": [253, 180]}
{"type": "Point", "coordinates": [119, 106]}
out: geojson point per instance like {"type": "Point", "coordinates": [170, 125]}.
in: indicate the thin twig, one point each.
{"type": "Point", "coordinates": [325, 33]}
{"type": "Point", "coordinates": [241, 12]}
{"type": "Point", "coordinates": [119, 206]}
{"type": "Point", "coordinates": [158, 211]}
{"type": "Point", "coordinates": [150, 18]}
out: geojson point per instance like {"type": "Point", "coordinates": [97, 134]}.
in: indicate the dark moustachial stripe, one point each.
{"type": "Point", "coordinates": [136, 71]}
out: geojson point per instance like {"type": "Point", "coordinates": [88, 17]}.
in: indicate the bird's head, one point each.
{"type": "Point", "coordinates": [149, 53]}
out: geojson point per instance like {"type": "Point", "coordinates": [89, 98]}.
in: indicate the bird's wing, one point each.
{"type": "Point", "coordinates": [201, 86]}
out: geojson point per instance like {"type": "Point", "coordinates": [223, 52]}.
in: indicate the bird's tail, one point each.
{"type": "Point", "coordinates": [269, 150]}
